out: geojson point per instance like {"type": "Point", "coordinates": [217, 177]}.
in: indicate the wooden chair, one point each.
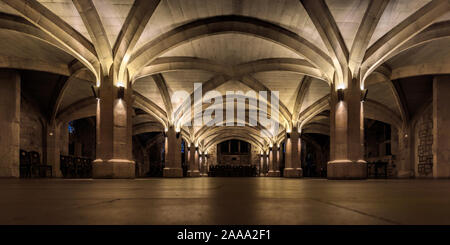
{"type": "Point", "coordinates": [37, 168]}
{"type": "Point", "coordinates": [63, 165]}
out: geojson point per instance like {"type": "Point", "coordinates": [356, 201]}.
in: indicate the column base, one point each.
{"type": "Point", "coordinates": [346, 169]}
{"type": "Point", "coordinates": [293, 173]}
{"type": "Point", "coordinates": [173, 172]}
{"type": "Point", "coordinates": [193, 173]}
{"type": "Point", "coordinates": [274, 173]}
{"type": "Point", "coordinates": [113, 169]}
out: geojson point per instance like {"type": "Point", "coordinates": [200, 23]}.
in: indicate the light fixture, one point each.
{"type": "Point", "coordinates": [120, 92]}
{"type": "Point", "coordinates": [340, 94]}
{"type": "Point", "coordinates": [364, 95]}
{"type": "Point", "coordinates": [95, 92]}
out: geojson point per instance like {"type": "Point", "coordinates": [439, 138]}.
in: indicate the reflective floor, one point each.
{"type": "Point", "coordinates": [224, 201]}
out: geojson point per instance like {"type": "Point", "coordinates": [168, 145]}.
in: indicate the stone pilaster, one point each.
{"type": "Point", "coordinates": [54, 146]}
{"type": "Point", "coordinates": [441, 122]}
{"type": "Point", "coordinates": [405, 153]}
{"type": "Point", "coordinates": [204, 165]}
{"type": "Point", "coordinates": [9, 123]}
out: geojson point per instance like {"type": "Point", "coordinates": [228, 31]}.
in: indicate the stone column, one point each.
{"type": "Point", "coordinates": [293, 167]}
{"type": "Point", "coordinates": [405, 153]}
{"type": "Point", "coordinates": [206, 165]}
{"type": "Point", "coordinates": [114, 131]}
{"type": "Point", "coordinates": [146, 164]}
{"type": "Point", "coordinates": [266, 163]}
{"type": "Point", "coordinates": [441, 123]}
{"type": "Point", "coordinates": [193, 162]}
{"type": "Point", "coordinates": [273, 162]}
{"type": "Point", "coordinates": [64, 139]}
{"type": "Point", "coordinates": [203, 164]}
{"type": "Point", "coordinates": [347, 134]}
{"type": "Point", "coordinates": [53, 147]}
{"type": "Point", "coordinates": [279, 159]}
{"type": "Point", "coordinates": [9, 123]}
{"type": "Point", "coordinates": [173, 168]}
{"type": "Point", "coordinates": [261, 164]}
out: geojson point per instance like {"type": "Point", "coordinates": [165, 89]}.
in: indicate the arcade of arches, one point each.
{"type": "Point", "coordinates": [95, 79]}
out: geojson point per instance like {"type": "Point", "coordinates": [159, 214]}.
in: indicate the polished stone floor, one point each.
{"type": "Point", "coordinates": [224, 201]}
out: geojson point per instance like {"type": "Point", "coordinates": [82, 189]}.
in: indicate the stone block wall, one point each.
{"type": "Point", "coordinates": [31, 128]}
{"type": "Point", "coordinates": [212, 155]}
{"type": "Point", "coordinates": [254, 156]}
{"type": "Point", "coordinates": [424, 132]}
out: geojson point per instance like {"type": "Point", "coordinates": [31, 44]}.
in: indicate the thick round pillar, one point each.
{"type": "Point", "coordinates": [347, 134]}
{"type": "Point", "coordinates": [193, 160]}
{"type": "Point", "coordinates": [293, 167]}
{"type": "Point", "coordinates": [9, 123]}
{"type": "Point", "coordinates": [173, 168]}
{"type": "Point", "coordinates": [114, 131]}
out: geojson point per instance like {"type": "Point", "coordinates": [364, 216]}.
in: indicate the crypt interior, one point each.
{"type": "Point", "coordinates": [91, 114]}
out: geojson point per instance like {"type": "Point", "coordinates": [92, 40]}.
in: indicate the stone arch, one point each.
{"type": "Point", "coordinates": [226, 24]}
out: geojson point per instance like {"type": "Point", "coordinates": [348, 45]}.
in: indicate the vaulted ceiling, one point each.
{"type": "Point", "coordinates": [290, 46]}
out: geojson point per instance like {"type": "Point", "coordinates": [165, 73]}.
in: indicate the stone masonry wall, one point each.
{"type": "Point", "coordinates": [254, 155]}
{"type": "Point", "coordinates": [212, 155]}
{"type": "Point", "coordinates": [31, 128]}
{"type": "Point", "coordinates": [425, 143]}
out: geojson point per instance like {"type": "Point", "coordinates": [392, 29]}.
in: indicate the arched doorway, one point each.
{"type": "Point", "coordinates": [234, 158]}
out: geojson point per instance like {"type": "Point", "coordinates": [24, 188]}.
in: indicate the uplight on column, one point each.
{"type": "Point", "coordinates": [177, 130]}
{"type": "Point", "coordinates": [95, 92]}
{"type": "Point", "coordinates": [364, 94]}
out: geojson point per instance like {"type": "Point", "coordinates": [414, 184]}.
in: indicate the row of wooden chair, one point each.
{"type": "Point", "coordinates": [31, 166]}
{"type": "Point", "coordinates": [75, 167]}
{"type": "Point", "coordinates": [377, 169]}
